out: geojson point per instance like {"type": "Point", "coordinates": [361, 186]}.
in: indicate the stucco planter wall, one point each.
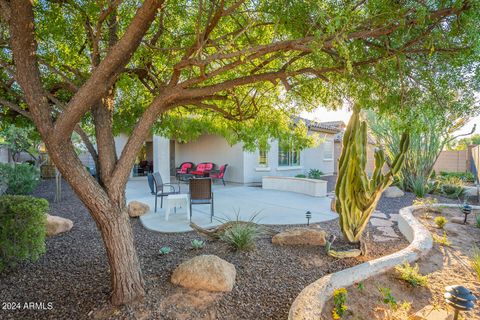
{"type": "Point", "coordinates": [309, 303]}
{"type": "Point", "coordinates": [311, 187]}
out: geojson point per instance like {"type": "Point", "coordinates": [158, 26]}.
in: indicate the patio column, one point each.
{"type": "Point", "coordinates": [161, 156]}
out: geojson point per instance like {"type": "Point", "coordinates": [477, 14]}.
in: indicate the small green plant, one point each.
{"type": "Point", "coordinates": [475, 260]}
{"type": "Point", "coordinates": [441, 221]}
{"type": "Point", "coordinates": [22, 231]}
{"type": "Point", "coordinates": [165, 250]}
{"type": "Point", "coordinates": [301, 175]}
{"type": "Point", "coordinates": [443, 241]}
{"type": "Point", "coordinates": [411, 275]}
{"type": "Point", "coordinates": [388, 298]}
{"type": "Point", "coordinates": [21, 178]}
{"type": "Point", "coordinates": [477, 220]}
{"type": "Point", "coordinates": [360, 286]}
{"type": "Point", "coordinates": [339, 303]}
{"type": "Point", "coordinates": [198, 244]}
{"type": "Point", "coordinates": [464, 176]}
{"type": "Point", "coordinates": [419, 186]}
{"type": "Point", "coordinates": [242, 236]}
{"type": "Point", "coordinates": [315, 174]}
{"type": "Point", "coordinates": [452, 187]}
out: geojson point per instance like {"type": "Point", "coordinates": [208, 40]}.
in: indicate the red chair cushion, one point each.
{"type": "Point", "coordinates": [202, 168]}
{"type": "Point", "coordinates": [184, 168]}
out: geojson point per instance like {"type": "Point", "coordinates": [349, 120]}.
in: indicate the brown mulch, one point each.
{"type": "Point", "coordinates": [74, 276]}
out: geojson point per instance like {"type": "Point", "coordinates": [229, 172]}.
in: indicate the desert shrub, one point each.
{"type": "Point", "coordinates": [339, 303]}
{"type": "Point", "coordinates": [241, 236]}
{"type": "Point", "coordinates": [19, 178]}
{"type": "Point", "coordinates": [443, 241]}
{"type": "Point", "coordinates": [22, 232]}
{"type": "Point", "coordinates": [464, 176]}
{"type": "Point", "coordinates": [441, 221]}
{"type": "Point", "coordinates": [315, 174]}
{"type": "Point", "coordinates": [411, 275]}
{"type": "Point", "coordinates": [475, 261]}
{"type": "Point", "coordinates": [452, 187]}
{"type": "Point", "coordinates": [197, 244]}
{"type": "Point", "coordinates": [301, 175]}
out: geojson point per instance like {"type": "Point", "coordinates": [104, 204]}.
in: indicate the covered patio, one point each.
{"type": "Point", "coordinates": [271, 207]}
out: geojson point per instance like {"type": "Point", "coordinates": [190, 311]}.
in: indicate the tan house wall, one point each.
{"type": "Point", "coordinates": [452, 161]}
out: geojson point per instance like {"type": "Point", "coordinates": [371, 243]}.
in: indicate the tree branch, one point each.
{"type": "Point", "coordinates": [103, 77]}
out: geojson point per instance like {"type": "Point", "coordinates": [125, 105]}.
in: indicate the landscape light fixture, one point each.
{"type": "Point", "coordinates": [460, 298]}
{"type": "Point", "coordinates": [466, 209]}
{"type": "Point", "coordinates": [308, 215]}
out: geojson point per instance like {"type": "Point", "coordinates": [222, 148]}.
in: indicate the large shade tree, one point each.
{"type": "Point", "coordinates": [96, 67]}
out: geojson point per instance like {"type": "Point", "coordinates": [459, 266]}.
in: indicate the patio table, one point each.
{"type": "Point", "coordinates": [176, 200]}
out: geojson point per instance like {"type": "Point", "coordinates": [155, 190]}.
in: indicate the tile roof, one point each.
{"type": "Point", "coordinates": [319, 126]}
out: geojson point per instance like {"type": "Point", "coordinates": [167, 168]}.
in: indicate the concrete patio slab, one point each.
{"type": "Point", "coordinates": [271, 207]}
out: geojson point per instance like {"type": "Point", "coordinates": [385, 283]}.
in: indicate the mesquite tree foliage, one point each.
{"type": "Point", "coordinates": [357, 194]}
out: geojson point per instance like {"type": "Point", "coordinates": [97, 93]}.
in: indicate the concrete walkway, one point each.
{"type": "Point", "coordinates": [269, 207]}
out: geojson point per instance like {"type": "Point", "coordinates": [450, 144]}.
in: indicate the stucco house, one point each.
{"type": "Point", "coordinates": [164, 155]}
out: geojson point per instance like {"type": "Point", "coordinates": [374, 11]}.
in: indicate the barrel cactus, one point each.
{"type": "Point", "coordinates": [357, 195]}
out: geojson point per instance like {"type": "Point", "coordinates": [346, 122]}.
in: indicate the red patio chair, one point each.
{"type": "Point", "coordinates": [184, 168]}
{"type": "Point", "coordinates": [203, 169]}
{"type": "Point", "coordinates": [219, 174]}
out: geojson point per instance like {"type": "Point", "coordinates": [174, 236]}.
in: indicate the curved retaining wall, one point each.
{"type": "Point", "coordinates": [310, 302]}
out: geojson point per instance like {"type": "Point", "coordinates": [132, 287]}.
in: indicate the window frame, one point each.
{"type": "Point", "coordinates": [291, 154]}
{"type": "Point", "coordinates": [265, 157]}
{"type": "Point", "coordinates": [331, 154]}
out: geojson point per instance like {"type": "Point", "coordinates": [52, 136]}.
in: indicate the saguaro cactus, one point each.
{"type": "Point", "coordinates": [357, 195]}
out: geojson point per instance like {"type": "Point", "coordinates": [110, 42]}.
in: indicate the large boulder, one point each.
{"type": "Point", "coordinates": [56, 225]}
{"type": "Point", "coordinates": [393, 192]}
{"type": "Point", "coordinates": [137, 208]}
{"type": "Point", "coordinates": [300, 236]}
{"type": "Point", "coordinates": [205, 272]}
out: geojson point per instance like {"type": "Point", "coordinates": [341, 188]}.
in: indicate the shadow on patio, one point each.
{"type": "Point", "coordinates": [272, 207]}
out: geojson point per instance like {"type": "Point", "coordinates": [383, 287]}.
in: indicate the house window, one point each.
{"type": "Point", "coordinates": [288, 156]}
{"type": "Point", "coordinates": [328, 150]}
{"type": "Point", "coordinates": [263, 158]}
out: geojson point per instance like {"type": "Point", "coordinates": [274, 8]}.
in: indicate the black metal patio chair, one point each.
{"type": "Point", "coordinates": [201, 193]}
{"type": "Point", "coordinates": [160, 189]}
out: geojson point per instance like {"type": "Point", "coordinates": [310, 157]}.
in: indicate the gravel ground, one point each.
{"type": "Point", "coordinates": [73, 274]}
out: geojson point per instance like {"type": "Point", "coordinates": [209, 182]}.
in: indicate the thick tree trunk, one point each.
{"type": "Point", "coordinates": [125, 272]}
{"type": "Point", "coordinates": [109, 212]}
